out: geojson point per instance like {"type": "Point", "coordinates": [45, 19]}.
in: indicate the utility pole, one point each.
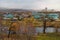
{"type": "Point", "coordinates": [44, 21]}
{"type": "Point", "coordinates": [44, 26]}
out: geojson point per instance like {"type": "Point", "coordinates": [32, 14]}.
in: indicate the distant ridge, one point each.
{"type": "Point", "coordinates": [15, 10]}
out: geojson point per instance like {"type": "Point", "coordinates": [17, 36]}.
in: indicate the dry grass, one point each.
{"type": "Point", "coordinates": [52, 36]}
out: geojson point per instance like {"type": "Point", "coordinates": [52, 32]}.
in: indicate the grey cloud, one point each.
{"type": "Point", "coordinates": [30, 4]}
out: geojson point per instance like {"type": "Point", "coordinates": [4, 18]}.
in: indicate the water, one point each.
{"type": "Point", "coordinates": [37, 30]}
{"type": "Point", "coordinates": [4, 30]}
{"type": "Point", "coordinates": [48, 30]}
{"type": "Point", "coordinates": [58, 29]}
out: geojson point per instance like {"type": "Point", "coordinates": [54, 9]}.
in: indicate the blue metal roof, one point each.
{"type": "Point", "coordinates": [54, 16]}
{"type": "Point", "coordinates": [8, 15]}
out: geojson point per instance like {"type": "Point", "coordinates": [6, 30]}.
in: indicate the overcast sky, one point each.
{"type": "Point", "coordinates": [30, 4]}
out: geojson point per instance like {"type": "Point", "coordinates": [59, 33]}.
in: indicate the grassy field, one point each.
{"type": "Point", "coordinates": [48, 37]}
{"type": "Point", "coordinates": [38, 37]}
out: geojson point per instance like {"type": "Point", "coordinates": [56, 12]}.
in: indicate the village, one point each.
{"type": "Point", "coordinates": [25, 23]}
